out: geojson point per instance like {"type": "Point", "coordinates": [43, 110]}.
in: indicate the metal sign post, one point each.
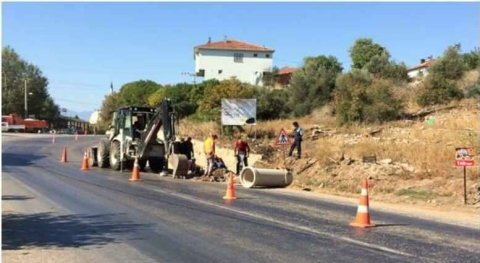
{"type": "Point", "coordinates": [464, 157]}
{"type": "Point", "coordinates": [465, 185]}
{"type": "Point", "coordinates": [283, 141]}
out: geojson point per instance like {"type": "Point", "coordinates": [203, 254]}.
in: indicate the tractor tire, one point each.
{"type": "Point", "coordinates": [103, 153]}
{"type": "Point", "coordinates": [115, 162]}
{"type": "Point", "coordinates": [156, 164]}
{"type": "Point", "coordinates": [92, 157]}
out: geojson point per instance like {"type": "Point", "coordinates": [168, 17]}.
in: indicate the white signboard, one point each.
{"type": "Point", "coordinates": [239, 111]}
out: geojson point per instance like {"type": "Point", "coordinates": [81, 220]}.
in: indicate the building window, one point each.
{"type": "Point", "coordinates": [267, 55]}
{"type": "Point", "coordinates": [220, 71]}
{"type": "Point", "coordinates": [238, 57]}
{"type": "Point", "coordinates": [255, 55]}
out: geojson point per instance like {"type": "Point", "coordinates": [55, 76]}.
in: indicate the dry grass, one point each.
{"type": "Point", "coordinates": [197, 130]}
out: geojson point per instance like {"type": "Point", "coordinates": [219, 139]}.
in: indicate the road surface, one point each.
{"type": "Point", "coordinates": [53, 212]}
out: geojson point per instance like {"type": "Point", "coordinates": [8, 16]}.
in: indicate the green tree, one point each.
{"type": "Point", "coordinates": [109, 105]}
{"type": "Point", "coordinates": [271, 104]}
{"type": "Point", "coordinates": [184, 103]}
{"type": "Point", "coordinates": [226, 89]}
{"type": "Point", "coordinates": [382, 67]}
{"type": "Point", "coordinates": [15, 71]}
{"type": "Point", "coordinates": [210, 105]}
{"type": "Point", "coordinates": [441, 81]}
{"type": "Point", "coordinates": [137, 92]}
{"type": "Point", "coordinates": [363, 50]}
{"type": "Point", "coordinates": [472, 59]}
{"type": "Point", "coordinates": [359, 97]}
{"type": "Point", "coordinates": [311, 86]}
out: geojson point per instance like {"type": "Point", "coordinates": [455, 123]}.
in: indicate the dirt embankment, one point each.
{"type": "Point", "coordinates": [414, 157]}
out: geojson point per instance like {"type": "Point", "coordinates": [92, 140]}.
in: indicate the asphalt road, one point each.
{"type": "Point", "coordinates": [100, 216]}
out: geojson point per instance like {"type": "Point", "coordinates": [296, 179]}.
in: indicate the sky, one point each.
{"type": "Point", "coordinates": [83, 47]}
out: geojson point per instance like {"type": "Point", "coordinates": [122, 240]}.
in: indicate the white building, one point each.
{"type": "Point", "coordinates": [420, 69]}
{"type": "Point", "coordinates": [233, 58]}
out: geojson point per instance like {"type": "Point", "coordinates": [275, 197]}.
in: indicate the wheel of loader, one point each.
{"type": "Point", "coordinates": [156, 164]}
{"type": "Point", "coordinates": [115, 162]}
{"type": "Point", "coordinates": [103, 154]}
{"type": "Point", "coordinates": [92, 156]}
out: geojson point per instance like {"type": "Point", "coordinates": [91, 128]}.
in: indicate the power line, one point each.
{"type": "Point", "coordinates": [79, 102]}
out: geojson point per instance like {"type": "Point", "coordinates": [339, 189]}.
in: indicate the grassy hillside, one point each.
{"type": "Point", "coordinates": [415, 158]}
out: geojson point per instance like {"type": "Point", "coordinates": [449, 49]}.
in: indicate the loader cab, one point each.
{"type": "Point", "coordinates": [132, 120]}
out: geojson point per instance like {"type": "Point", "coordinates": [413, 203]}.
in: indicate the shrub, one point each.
{"type": "Point", "coordinates": [361, 98]}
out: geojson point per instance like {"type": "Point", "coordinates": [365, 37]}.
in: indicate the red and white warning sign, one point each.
{"type": "Point", "coordinates": [464, 157]}
{"type": "Point", "coordinates": [283, 139]}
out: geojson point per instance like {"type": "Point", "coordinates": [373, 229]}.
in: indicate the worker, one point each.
{"type": "Point", "coordinates": [209, 148]}
{"type": "Point", "coordinates": [189, 152]}
{"type": "Point", "coordinates": [136, 129]}
{"type": "Point", "coordinates": [189, 148]}
{"type": "Point", "coordinates": [241, 151]}
{"type": "Point", "coordinates": [297, 143]}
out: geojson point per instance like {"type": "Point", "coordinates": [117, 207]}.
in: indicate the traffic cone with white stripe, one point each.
{"type": "Point", "coordinates": [64, 155]}
{"type": "Point", "coordinates": [135, 171]}
{"type": "Point", "coordinates": [85, 162]}
{"type": "Point", "coordinates": [53, 140]}
{"type": "Point", "coordinates": [230, 194]}
{"type": "Point", "coordinates": [363, 216]}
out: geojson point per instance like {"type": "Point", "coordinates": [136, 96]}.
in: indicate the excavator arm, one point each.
{"type": "Point", "coordinates": [162, 117]}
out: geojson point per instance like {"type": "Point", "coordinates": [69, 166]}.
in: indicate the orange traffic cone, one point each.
{"type": "Point", "coordinates": [230, 189]}
{"type": "Point", "coordinates": [363, 216]}
{"type": "Point", "coordinates": [64, 155]}
{"type": "Point", "coordinates": [135, 171]}
{"type": "Point", "coordinates": [53, 140]}
{"type": "Point", "coordinates": [85, 162]}
{"type": "Point", "coordinates": [76, 136]}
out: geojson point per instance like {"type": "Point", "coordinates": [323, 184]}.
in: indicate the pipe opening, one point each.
{"type": "Point", "coordinates": [248, 177]}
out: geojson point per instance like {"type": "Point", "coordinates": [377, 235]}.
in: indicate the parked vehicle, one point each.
{"type": "Point", "coordinates": [13, 123]}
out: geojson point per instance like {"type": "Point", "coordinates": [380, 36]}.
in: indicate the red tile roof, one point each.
{"type": "Point", "coordinates": [231, 44]}
{"type": "Point", "coordinates": [425, 64]}
{"type": "Point", "coordinates": [286, 70]}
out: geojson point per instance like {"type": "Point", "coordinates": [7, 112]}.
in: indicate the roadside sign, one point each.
{"type": "Point", "coordinates": [464, 157]}
{"type": "Point", "coordinates": [282, 139]}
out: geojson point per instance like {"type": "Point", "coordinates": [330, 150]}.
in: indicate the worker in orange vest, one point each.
{"type": "Point", "coordinates": [209, 148]}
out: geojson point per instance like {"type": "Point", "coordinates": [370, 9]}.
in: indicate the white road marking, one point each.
{"type": "Point", "coordinates": [290, 225]}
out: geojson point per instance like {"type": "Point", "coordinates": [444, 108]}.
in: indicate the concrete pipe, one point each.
{"type": "Point", "coordinates": [252, 177]}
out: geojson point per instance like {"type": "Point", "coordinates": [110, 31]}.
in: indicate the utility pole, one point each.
{"type": "Point", "coordinates": [26, 101]}
{"type": "Point", "coordinates": [191, 75]}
